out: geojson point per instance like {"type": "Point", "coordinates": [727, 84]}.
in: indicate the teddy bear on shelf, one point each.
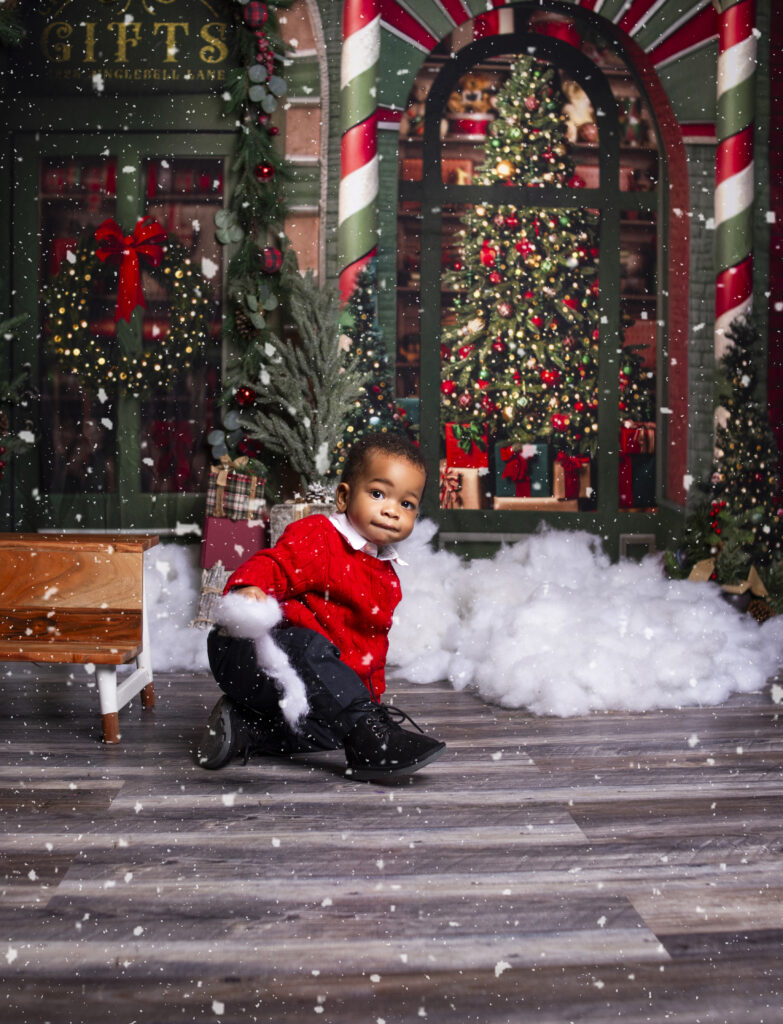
{"type": "Point", "coordinates": [412, 120]}
{"type": "Point", "coordinates": [469, 109]}
{"type": "Point", "coordinates": [578, 109]}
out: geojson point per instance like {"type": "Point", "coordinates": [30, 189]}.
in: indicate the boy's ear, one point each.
{"type": "Point", "coordinates": [341, 496]}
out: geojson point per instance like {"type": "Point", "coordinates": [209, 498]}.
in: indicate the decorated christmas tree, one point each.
{"type": "Point", "coordinates": [375, 407]}
{"type": "Point", "coordinates": [301, 389]}
{"type": "Point", "coordinates": [739, 521]}
{"type": "Point", "coordinates": [521, 361]}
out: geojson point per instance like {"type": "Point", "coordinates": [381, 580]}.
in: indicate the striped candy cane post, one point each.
{"type": "Point", "coordinates": [734, 164]}
{"type": "Point", "coordinates": [357, 215]}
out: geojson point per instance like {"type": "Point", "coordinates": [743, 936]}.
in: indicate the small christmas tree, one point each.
{"type": "Point", "coordinates": [740, 522]}
{"type": "Point", "coordinates": [522, 357]}
{"type": "Point", "coordinates": [302, 390]}
{"type": "Point", "coordinates": [376, 407]}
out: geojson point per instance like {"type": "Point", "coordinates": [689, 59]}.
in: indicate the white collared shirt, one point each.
{"type": "Point", "coordinates": [345, 527]}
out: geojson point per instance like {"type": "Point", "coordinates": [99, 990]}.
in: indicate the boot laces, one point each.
{"type": "Point", "coordinates": [387, 716]}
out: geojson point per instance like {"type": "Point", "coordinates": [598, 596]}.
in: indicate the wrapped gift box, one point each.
{"type": "Point", "coordinates": [233, 493]}
{"type": "Point", "coordinates": [460, 487]}
{"type": "Point", "coordinates": [637, 438]}
{"type": "Point", "coordinates": [571, 476]}
{"type": "Point", "coordinates": [477, 457]}
{"type": "Point", "coordinates": [289, 511]}
{"type": "Point", "coordinates": [523, 471]}
{"type": "Point", "coordinates": [637, 481]}
{"type": "Point", "coordinates": [232, 541]}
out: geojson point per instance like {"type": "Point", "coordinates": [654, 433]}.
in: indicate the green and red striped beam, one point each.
{"type": "Point", "coordinates": [357, 213]}
{"type": "Point", "coordinates": [734, 181]}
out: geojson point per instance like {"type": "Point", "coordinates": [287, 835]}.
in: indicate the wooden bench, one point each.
{"type": "Point", "coordinates": [79, 598]}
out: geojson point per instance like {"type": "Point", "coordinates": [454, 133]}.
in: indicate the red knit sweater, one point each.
{"type": "Point", "coordinates": [323, 584]}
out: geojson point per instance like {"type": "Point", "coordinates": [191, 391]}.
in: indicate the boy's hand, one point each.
{"type": "Point", "coordinates": [253, 593]}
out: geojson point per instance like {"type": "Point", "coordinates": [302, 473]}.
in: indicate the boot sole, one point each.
{"type": "Point", "coordinates": [368, 773]}
{"type": "Point", "coordinates": [220, 716]}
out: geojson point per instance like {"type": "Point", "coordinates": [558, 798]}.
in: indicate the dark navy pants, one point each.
{"type": "Point", "coordinates": [332, 688]}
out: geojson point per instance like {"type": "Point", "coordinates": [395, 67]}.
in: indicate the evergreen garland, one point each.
{"type": "Point", "coordinates": [252, 222]}
{"type": "Point", "coordinates": [11, 31]}
{"type": "Point", "coordinates": [100, 361]}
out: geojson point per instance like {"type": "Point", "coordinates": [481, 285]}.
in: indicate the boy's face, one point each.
{"type": "Point", "coordinates": [384, 499]}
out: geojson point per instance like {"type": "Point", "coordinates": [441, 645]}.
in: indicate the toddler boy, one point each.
{"type": "Point", "coordinates": [337, 588]}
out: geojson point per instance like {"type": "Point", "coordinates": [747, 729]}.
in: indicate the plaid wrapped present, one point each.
{"type": "Point", "coordinates": [234, 493]}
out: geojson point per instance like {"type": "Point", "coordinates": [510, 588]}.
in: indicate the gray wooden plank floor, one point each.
{"type": "Point", "coordinates": [612, 867]}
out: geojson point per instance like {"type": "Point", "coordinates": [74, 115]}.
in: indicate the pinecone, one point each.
{"type": "Point", "coordinates": [243, 326]}
{"type": "Point", "coordinates": [319, 493]}
{"type": "Point", "coordinates": [759, 609]}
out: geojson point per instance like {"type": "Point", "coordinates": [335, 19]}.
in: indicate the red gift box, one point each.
{"type": "Point", "coordinates": [571, 476]}
{"type": "Point", "coordinates": [231, 541]}
{"type": "Point", "coordinates": [637, 438]}
{"type": "Point", "coordinates": [457, 457]}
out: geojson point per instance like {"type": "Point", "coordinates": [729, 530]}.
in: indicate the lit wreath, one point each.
{"type": "Point", "coordinates": [100, 361]}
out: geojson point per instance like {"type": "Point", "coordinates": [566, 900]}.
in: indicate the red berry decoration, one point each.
{"type": "Point", "coordinates": [265, 172]}
{"type": "Point", "coordinates": [512, 222]}
{"type": "Point", "coordinates": [505, 309]}
{"type": "Point", "coordinates": [559, 421]}
{"type": "Point", "coordinates": [448, 387]}
{"type": "Point", "coordinates": [523, 247]}
{"type": "Point", "coordinates": [495, 277]}
{"type": "Point", "coordinates": [273, 130]}
{"type": "Point", "coordinates": [550, 376]}
{"type": "Point", "coordinates": [255, 14]}
{"type": "Point", "coordinates": [271, 259]}
{"type": "Point", "coordinates": [245, 396]}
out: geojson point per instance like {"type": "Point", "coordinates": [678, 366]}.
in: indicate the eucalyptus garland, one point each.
{"type": "Point", "coordinates": [101, 360]}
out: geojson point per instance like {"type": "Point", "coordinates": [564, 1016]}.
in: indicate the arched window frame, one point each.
{"type": "Point", "coordinates": [668, 203]}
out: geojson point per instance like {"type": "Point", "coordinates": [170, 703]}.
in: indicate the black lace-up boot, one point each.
{"type": "Point", "coordinates": [378, 746]}
{"type": "Point", "coordinates": [232, 730]}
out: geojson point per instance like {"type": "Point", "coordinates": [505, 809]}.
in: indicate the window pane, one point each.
{"type": "Point", "coordinates": [519, 355]}
{"type": "Point", "coordinates": [183, 196]}
{"type": "Point", "coordinates": [638, 398]}
{"type": "Point", "coordinates": [78, 440]}
{"type": "Point", "coordinates": [408, 300]}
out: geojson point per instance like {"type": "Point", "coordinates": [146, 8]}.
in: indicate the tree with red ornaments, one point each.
{"type": "Point", "coordinates": [520, 362]}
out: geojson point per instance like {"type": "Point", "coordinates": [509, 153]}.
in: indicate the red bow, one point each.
{"type": "Point", "coordinates": [516, 466]}
{"type": "Point", "coordinates": [147, 241]}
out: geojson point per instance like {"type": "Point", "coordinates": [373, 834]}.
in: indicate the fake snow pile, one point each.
{"type": "Point", "coordinates": [548, 624]}
{"type": "Point", "coordinates": [551, 625]}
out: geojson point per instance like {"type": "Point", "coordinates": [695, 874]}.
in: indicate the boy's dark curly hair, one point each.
{"type": "Point", "coordinates": [397, 445]}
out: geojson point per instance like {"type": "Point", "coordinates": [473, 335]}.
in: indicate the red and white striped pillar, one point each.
{"type": "Point", "coordinates": [734, 186]}
{"type": "Point", "coordinates": [357, 212]}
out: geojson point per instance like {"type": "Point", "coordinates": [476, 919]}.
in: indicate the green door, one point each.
{"type": "Point", "coordinates": [109, 455]}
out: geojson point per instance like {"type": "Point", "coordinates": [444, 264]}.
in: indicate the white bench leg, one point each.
{"type": "Point", "coordinates": [107, 693]}
{"type": "Point", "coordinates": [144, 660]}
